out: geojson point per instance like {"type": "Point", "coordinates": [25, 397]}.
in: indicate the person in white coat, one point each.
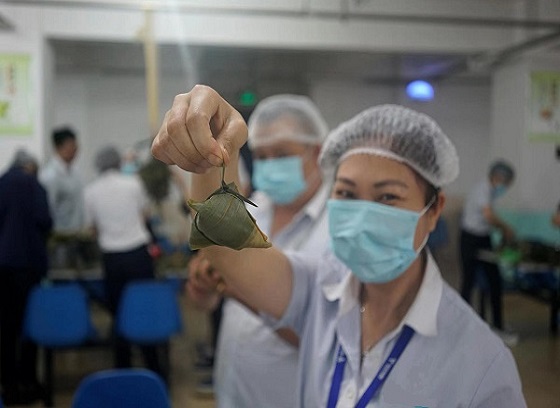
{"type": "Point", "coordinates": [285, 137]}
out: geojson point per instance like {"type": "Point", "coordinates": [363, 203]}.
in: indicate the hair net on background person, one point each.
{"type": "Point", "coordinates": [23, 158]}
{"type": "Point", "coordinates": [397, 133]}
{"type": "Point", "coordinates": [107, 158]}
{"type": "Point", "coordinates": [502, 168]}
{"type": "Point", "coordinates": [310, 126]}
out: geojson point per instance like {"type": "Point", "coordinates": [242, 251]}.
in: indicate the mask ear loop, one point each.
{"type": "Point", "coordinates": [421, 213]}
{"type": "Point", "coordinates": [318, 173]}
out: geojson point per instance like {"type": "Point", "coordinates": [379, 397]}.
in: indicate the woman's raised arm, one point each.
{"type": "Point", "coordinates": [200, 133]}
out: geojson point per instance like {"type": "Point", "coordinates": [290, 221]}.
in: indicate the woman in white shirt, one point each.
{"type": "Point", "coordinates": [392, 334]}
{"type": "Point", "coordinates": [116, 208]}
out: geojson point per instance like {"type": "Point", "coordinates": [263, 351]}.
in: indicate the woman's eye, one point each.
{"type": "Point", "coordinates": [387, 198]}
{"type": "Point", "coordinates": [344, 194]}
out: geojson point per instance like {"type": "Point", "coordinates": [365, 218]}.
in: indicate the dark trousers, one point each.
{"type": "Point", "coordinates": [18, 356]}
{"type": "Point", "coordinates": [122, 268]}
{"type": "Point", "coordinates": [470, 246]}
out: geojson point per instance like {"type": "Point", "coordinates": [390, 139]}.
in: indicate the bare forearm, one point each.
{"type": "Point", "coordinates": [261, 278]}
{"type": "Point", "coordinates": [200, 132]}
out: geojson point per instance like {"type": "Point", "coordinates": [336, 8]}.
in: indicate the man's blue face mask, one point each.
{"type": "Point", "coordinates": [281, 179]}
{"type": "Point", "coordinates": [375, 241]}
{"type": "Point", "coordinates": [129, 168]}
{"type": "Point", "coordinates": [499, 190]}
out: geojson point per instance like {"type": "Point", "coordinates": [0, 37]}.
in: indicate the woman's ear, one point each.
{"type": "Point", "coordinates": [316, 150]}
{"type": "Point", "coordinates": [436, 209]}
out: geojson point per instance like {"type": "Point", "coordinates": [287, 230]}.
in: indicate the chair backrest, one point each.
{"type": "Point", "coordinates": [148, 312]}
{"type": "Point", "coordinates": [122, 388]}
{"type": "Point", "coordinates": [58, 316]}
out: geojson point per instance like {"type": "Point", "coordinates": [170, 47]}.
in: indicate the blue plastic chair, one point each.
{"type": "Point", "coordinates": [149, 312]}
{"type": "Point", "coordinates": [122, 388]}
{"type": "Point", "coordinates": [148, 315]}
{"type": "Point", "coordinates": [57, 317]}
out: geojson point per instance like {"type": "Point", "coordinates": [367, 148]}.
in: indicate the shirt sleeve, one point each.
{"type": "Point", "coordinates": [48, 180]}
{"type": "Point", "coordinates": [483, 197]}
{"type": "Point", "coordinates": [295, 316]}
{"type": "Point", "coordinates": [500, 386]}
{"type": "Point", "coordinates": [42, 213]}
{"type": "Point", "coordinates": [89, 218]}
{"type": "Point", "coordinates": [143, 201]}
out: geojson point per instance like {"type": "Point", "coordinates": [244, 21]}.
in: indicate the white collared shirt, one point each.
{"type": "Point", "coordinates": [453, 360]}
{"type": "Point", "coordinates": [472, 219]}
{"type": "Point", "coordinates": [247, 347]}
{"type": "Point", "coordinates": [65, 191]}
{"type": "Point", "coordinates": [116, 205]}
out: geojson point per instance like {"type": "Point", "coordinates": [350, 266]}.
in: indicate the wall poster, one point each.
{"type": "Point", "coordinates": [16, 96]}
{"type": "Point", "coordinates": [544, 109]}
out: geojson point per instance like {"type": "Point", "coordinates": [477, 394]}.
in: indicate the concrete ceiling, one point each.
{"type": "Point", "coordinates": [241, 66]}
{"type": "Point", "coordinates": [248, 67]}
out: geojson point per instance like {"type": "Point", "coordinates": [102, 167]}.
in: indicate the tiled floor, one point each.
{"type": "Point", "coordinates": [537, 355]}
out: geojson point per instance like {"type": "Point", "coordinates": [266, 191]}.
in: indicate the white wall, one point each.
{"type": "Point", "coordinates": [112, 109]}
{"type": "Point", "coordinates": [107, 110]}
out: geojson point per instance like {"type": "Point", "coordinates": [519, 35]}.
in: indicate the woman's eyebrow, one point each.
{"type": "Point", "coordinates": [386, 183]}
{"type": "Point", "coordinates": [345, 181]}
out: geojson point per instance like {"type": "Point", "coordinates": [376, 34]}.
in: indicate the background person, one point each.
{"type": "Point", "coordinates": [63, 182]}
{"type": "Point", "coordinates": [116, 209]}
{"type": "Point", "coordinates": [556, 217]}
{"type": "Point", "coordinates": [285, 137]}
{"type": "Point", "coordinates": [25, 223]}
{"type": "Point", "coordinates": [394, 311]}
{"type": "Point", "coordinates": [478, 220]}
{"type": "Point", "coordinates": [64, 186]}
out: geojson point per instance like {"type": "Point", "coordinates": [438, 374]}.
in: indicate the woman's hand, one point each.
{"type": "Point", "coordinates": [200, 131]}
{"type": "Point", "coordinates": [204, 286]}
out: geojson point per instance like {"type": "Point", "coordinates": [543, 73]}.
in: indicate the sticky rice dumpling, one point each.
{"type": "Point", "coordinates": [223, 220]}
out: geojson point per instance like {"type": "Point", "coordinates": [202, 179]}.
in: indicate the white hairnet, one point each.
{"type": "Point", "coordinates": [107, 158]}
{"type": "Point", "coordinates": [23, 158]}
{"type": "Point", "coordinates": [398, 133]}
{"type": "Point", "coordinates": [309, 126]}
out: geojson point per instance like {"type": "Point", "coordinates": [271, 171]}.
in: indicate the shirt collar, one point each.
{"type": "Point", "coordinates": [61, 164]}
{"type": "Point", "coordinates": [314, 207]}
{"type": "Point", "coordinates": [422, 315]}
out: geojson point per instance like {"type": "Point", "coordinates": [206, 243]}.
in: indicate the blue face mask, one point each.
{"type": "Point", "coordinates": [281, 179]}
{"type": "Point", "coordinates": [375, 241]}
{"type": "Point", "coordinates": [129, 168]}
{"type": "Point", "coordinates": [499, 190]}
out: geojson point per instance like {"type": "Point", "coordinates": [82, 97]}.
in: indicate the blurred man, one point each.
{"type": "Point", "coordinates": [63, 183]}
{"type": "Point", "coordinates": [65, 191]}
{"type": "Point", "coordinates": [556, 217]}
{"type": "Point", "coordinates": [478, 219]}
{"type": "Point", "coordinates": [24, 225]}
{"type": "Point", "coordinates": [285, 137]}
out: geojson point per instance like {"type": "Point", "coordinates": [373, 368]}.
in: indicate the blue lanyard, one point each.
{"type": "Point", "coordinates": [380, 377]}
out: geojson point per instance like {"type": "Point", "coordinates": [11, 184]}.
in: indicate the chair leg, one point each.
{"type": "Point", "coordinates": [166, 362]}
{"type": "Point", "coordinates": [48, 397]}
{"type": "Point", "coordinates": [554, 310]}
